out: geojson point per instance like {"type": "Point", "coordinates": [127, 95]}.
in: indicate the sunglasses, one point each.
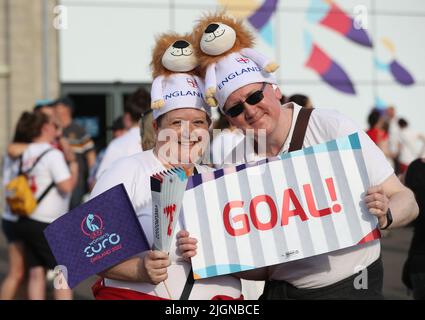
{"type": "Point", "coordinates": [252, 99]}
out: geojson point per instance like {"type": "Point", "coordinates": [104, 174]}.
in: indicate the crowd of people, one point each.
{"type": "Point", "coordinates": [60, 161]}
{"type": "Point", "coordinates": [400, 144]}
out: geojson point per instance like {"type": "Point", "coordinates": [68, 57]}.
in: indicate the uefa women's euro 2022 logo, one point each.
{"type": "Point", "coordinates": [102, 243]}
{"type": "Point", "coordinates": [92, 226]}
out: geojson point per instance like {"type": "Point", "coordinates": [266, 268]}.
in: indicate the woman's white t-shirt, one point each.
{"type": "Point", "coordinates": [52, 167]}
{"type": "Point", "coordinates": [134, 172]}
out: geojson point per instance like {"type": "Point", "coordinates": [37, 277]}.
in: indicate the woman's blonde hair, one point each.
{"type": "Point", "coordinates": [147, 132]}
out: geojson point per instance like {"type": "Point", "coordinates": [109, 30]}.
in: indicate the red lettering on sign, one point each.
{"type": "Point", "coordinates": [169, 212]}
{"type": "Point", "coordinates": [290, 200]}
{"type": "Point", "coordinates": [239, 218]}
{"type": "Point", "coordinates": [253, 212]}
{"type": "Point", "coordinates": [312, 205]}
{"type": "Point", "coordinates": [331, 188]}
{"type": "Point", "coordinates": [311, 202]}
{"type": "Point", "coordinates": [288, 197]}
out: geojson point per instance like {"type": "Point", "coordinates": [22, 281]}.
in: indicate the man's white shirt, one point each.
{"type": "Point", "coordinates": [128, 144]}
{"type": "Point", "coordinates": [326, 269]}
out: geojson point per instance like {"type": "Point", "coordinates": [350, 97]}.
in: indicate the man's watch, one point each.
{"type": "Point", "coordinates": [389, 219]}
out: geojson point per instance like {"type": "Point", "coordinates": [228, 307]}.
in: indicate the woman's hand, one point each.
{"type": "Point", "coordinates": [155, 265]}
{"type": "Point", "coordinates": [186, 246]}
{"type": "Point", "coordinates": [67, 150]}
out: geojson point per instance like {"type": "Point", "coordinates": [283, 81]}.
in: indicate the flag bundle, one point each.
{"type": "Point", "coordinates": [167, 195]}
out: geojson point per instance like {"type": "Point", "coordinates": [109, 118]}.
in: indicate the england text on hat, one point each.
{"type": "Point", "coordinates": [180, 93]}
{"type": "Point", "coordinates": [235, 74]}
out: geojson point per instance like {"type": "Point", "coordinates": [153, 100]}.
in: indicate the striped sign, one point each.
{"type": "Point", "coordinates": [298, 205]}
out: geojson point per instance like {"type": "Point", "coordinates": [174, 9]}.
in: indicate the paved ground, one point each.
{"type": "Point", "coordinates": [394, 251]}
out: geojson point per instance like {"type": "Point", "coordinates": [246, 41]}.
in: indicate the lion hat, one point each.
{"type": "Point", "coordinates": [173, 53]}
{"type": "Point", "coordinates": [176, 83]}
{"type": "Point", "coordinates": [222, 44]}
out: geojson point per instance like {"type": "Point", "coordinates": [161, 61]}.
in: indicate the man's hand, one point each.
{"type": "Point", "coordinates": [377, 203]}
{"type": "Point", "coordinates": [186, 246]}
{"type": "Point", "coordinates": [155, 265]}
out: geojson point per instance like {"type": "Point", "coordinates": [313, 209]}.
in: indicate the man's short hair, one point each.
{"type": "Point", "coordinates": [66, 101]}
{"type": "Point", "coordinates": [118, 124]}
{"type": "Point", "coordinates": [402, 123]}
{"type": "Point", "coordinates": [137, 103]}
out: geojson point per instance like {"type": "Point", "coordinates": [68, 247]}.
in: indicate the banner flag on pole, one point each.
{"type": "Point", "coordinates": [96, 235]}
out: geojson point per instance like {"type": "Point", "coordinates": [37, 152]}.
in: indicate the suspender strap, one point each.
{"type": "Point", "coordinates": [188, 286]}
{"type": "Point", "coordinates": [300, 129]}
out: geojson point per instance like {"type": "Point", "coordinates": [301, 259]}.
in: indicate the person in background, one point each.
{"type": "Point", "coordinates": [409, 140]}
{"type": "Point", "coordinates": [51, 176]}
{"type": "Point", "coordinates": [80, 142]}
{"type": "Point", "coordinates": [225, 141]}
{"type": "Point", "coordinates": [414, 268]}
{"type": "Point", "coordinates": [130, 142]}
{"type": "Point", "coordinates": [377, 132]}
{"type": "Point", "coordinates": [118, 129]}
{"type": "Point", "coordinates": [16, 271]}
{"type": "Point", "coordinates": [393, 137]}
{"type": "Point", "coordinates": [45, 105]}
{"type": "Point", "coordinates": [301, 100]}
{"type": "Point", "coordinates": [15, 149]}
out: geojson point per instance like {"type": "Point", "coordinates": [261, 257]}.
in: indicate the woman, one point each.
{"type": "Point", "coordinates": [49, 174]}
{"type": "Point", "coordinates": [15, 247]}
{"type": "Point", "coordinates": [181, 128]}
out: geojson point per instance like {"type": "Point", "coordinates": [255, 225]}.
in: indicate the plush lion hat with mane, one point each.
{"type": "Point", "coordinates": [176, 83]}
{"type": "Point", "coordinates": [243, 38]}
{"type": "Point", "coordinates": [218, 39]}
{"type": "Point", "coordinates": [173, 41]}
{"type": "Point", "coordinates": [173, 53]}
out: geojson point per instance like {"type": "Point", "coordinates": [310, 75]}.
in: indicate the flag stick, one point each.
{"type": "Point", "coordinates": [168, 290]}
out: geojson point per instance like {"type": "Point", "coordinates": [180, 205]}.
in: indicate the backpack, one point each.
{"type": "Point", "coordinates": [19, 196]}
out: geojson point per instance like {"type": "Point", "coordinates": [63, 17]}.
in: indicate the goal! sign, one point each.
{"type": "Point", "coordinates": [298, 205]}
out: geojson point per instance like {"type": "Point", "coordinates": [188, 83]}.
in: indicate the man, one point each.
{"type": "Point", "coordinates": [393, 137]}
{"type": "Point", "coordinates": [118, 130]}
{"type": "Point", "coordinates": [409, 149]}
{"type": "Point", "coordinates": [129, 143]}
{"type": "Point", "coordinates": [251, 101]}
{"type": "Point", "coordinates": [80, 142]}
